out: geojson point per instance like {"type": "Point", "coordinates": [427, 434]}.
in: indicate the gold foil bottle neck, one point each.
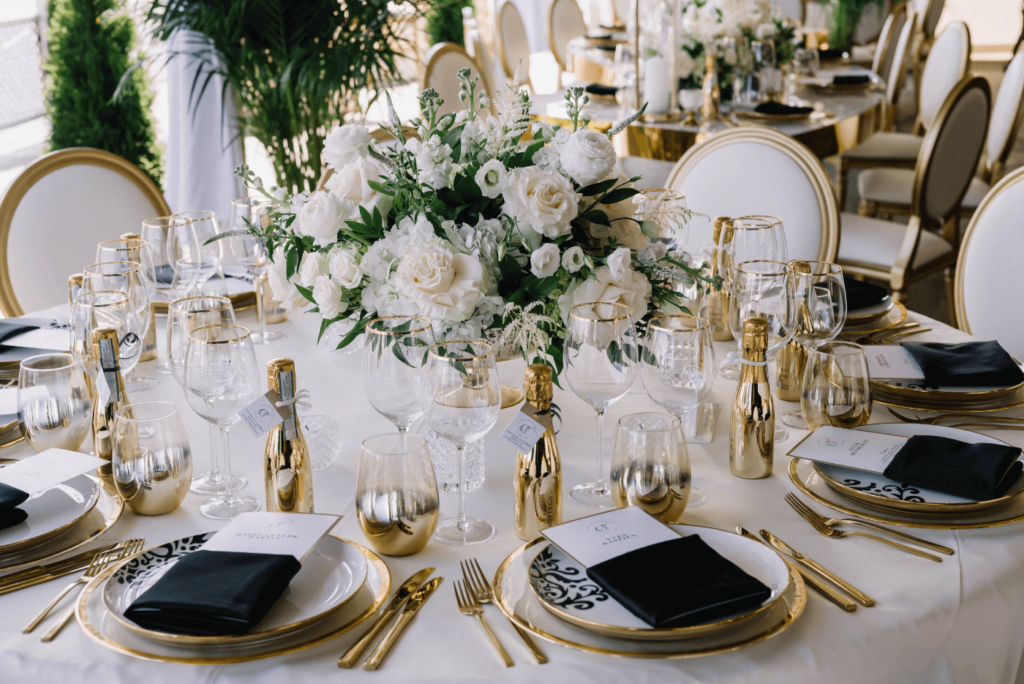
{"type": "Point", "coordinates": [75, 280]}
{"type": "Point", "coordinates": [128, 237]}
{"type": "Point", "coordinates": [104, 334]}
{"type": "Point", "coordinates": [729, 230]}
{"type": "Point", "coordinates": [538, 386]}
{"type": "Point", "coordinates": [755, 335]}
{"type": "Point", "coordinates": [800, 266]}
{"type": "Point", "coordinates": [720, 221]}
{"type": "Point", "coordinates": [275, 366]}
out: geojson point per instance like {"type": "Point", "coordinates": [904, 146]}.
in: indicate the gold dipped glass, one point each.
{"type": "Point", "coordinates": [836, 386]}
{"type": "Point", "coordinates": [651, 466]}
{"type": "Point", "coordinates": [396, 494]}
{"type": "Point", "coordinates": [53, 402]}
{"type": "Point", "coordinates": [152, 461]}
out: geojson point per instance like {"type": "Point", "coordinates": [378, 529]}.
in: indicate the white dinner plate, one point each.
{"type": "Point", "coordinates": [868, 314]}
{"type": "Point", "coordinates": [51, 513]}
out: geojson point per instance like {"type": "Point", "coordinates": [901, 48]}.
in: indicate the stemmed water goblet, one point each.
{"type": "Point", "coordinates": [396, 368]}
{"type": "Point", "coordinates": [133, 248]}
{"type": "Point", "coordinates": [251, 252]}
{"type": "Point", "coordinates": [128, 277]}
{"type": "Point", "coordinates": [104, 309]}
{"type": "Point", "coordinates": [174, 250]}
{"type": "Point", "coordinates": [205, 225]}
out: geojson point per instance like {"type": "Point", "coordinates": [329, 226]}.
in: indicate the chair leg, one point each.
{"type": "Point", "coordinates": [950, 297]}
{"type": "Point", "coordinates": [867, 208]}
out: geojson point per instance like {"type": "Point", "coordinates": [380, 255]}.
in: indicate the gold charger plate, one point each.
{"type": "Point", "coordinates": [223, 655]}
{"type": "Point", "coordinates": [1016, 401]}
{"type": "Point", "coordinates": [771, 118]}
{"type": "Point", "coordinates": [854, 320]}
{"type": "Point", "coordinates": [32, 542]}
{"type": "Point", "coordinates": [933, 397]}
{"type": "Point", "coordinates": [239, 301]}
{"type": "Point", "coordinates": [848, 89]}
{"type": "Point", "coordinates": [893, 317]}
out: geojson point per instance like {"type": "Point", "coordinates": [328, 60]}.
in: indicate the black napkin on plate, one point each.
{"type": "Point", "coordinates": [860, 294]}
{"type": "Point", "coordinates": [9, 498]}
{"type": "Point", "coordinates": [831, 54]}
{"type": "Point", "coordinates": [214, 593]}
{"type": "Point", "coordinates": [853, 79]}
{"type": "Point", "coordinates": [969, 364]}
{"type": "Point", "coordinates": [601, 90]}
{"type": "Point", "coordinates": [974, 471]}
{"type": "Point", "coordinates": [678, 583]}
{"type": "Point", "coordinates": [13, 328]}
{"type": "Point", "coordinates": [779, 108]}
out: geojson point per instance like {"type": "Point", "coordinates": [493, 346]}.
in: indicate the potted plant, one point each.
{"type": "Point", "coordinates": [843, 17]}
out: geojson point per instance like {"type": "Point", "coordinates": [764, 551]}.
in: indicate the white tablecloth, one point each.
{"type": "Point", "coordinates": [961, 620]}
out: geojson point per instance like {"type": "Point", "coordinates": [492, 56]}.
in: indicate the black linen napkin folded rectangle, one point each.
{"type": "Point", "coordinates": [214, 593]}
{"type": "Point", "coordinates": [980, 472]}
{"type": "Point", "coordinates": [852, 79]}
{"type": "Point", "coordinates": [860, 294]}
{"type": "Point", "coordinates": [678, 583]}
{"type": "Point", "coordinates": [970, 364]}
{"type": "Point", "coordinates": [13, 328]}
{"type": "Point", "coordinates": [779, 108]}
{"type": "Point", "coordinates": [9, 498]}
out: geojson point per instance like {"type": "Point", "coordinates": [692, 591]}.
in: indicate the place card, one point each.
{"type": "Point", "coordinates": [526, 428]}
{"type": "Point", "coordinates": [858, 449]}
{"type": "Point", "coordinates": [891, 362]}
{"type": "Point", "coordinates": [286, 534]}
{"type": "Point", "coordinates": [604, 536]}
{"type": "Point", "coordinates": [262, 415]}
{"type": "Point", "coordinates": [48, 469]}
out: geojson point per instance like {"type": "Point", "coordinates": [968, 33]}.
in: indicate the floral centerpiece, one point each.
{"type": "Point", "coordinates": [480, 222]}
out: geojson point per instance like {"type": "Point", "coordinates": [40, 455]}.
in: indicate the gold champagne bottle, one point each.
{"type": "Point", "coordinates": [792, 359]}
{"type": "Point", "coordinates": [718, 300]}
{"type": "Point", "coordinates": [134, 243]}
{"type": "Point", "coordinates": [537, 485]}
{"type": "Point", "coordinates": [712, 92]}
{"type": "Point", "coordinates": [107, 352]}
{"type": "Point", "coordinates": [288, 469]}
{"type": "Point", "coordinates": [752, 434]}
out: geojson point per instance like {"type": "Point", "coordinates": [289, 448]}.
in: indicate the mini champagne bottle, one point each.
{"type": "Point", "coordinates": [752, 434]}
{"type": "Point", "coordinates": [537, 484]}
{"type": "Point", "coordinates": [107, 352]}
{"type": "Point", "coordinates": [288, 469]}
{"type": "Point", "coordinates": [718, 300]}
{"type": "Point", "coordinates": [790, 363]}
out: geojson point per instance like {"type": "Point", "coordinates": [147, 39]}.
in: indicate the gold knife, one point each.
{"type": "Point", "coordinates": [810, 578]}
{"type": "Point", "coordinates": [45, 573]}
{"type": "Point", "coordinates": [404, 592]}
{"type": "Point", "coordinates": [858, 595]}
{"type": "Point", "coordinates": [416, 602]}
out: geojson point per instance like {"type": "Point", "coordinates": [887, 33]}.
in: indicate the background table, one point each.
{"type": "Point", "coordinates": [961, 620]}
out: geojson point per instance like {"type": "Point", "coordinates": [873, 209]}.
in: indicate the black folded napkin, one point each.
{"type": "Point", "coordinates": [13, 328]}
{"type": "Point", "coordinates": [974, 471]}
{"type": "Point", "coordinates": [779, 108]}
{"type": "Point", "coordinates": [860, 294]}
{"type": "Point", "coordinates": [214, 593]}
{"type": "Point", "coordinates": [970, 364]}
{"type": "Point", "coordinates": [10, 355]}
{"type": "Point", "coordinates": [9, 498]}
{"type": "Point", "coordinates": [601, 90]}
{"type": "Point", "coordinates": [840, 80]}
{"type": "Point", "coordinates": [678, 583]}
{"type": "Point", "coordinates": [830, 54]}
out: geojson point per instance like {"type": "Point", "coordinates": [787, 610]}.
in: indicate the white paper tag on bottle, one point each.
{"type": "Point", "coordinates": [524, 430]}
{"type": "Point", "coordinates": [102, 389]}
{"type": "Point", "coordinates": [262, 415]}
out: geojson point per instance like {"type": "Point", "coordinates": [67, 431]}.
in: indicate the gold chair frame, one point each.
{"type": "Point", "coordinates": [524, 79]}
{"type": "Point", "coordinates": [559, 59]}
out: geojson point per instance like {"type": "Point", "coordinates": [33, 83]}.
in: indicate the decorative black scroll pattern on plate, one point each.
{"type": "Point", "coordinates": [142, 568]}
{"type": "Point", "coordinates": [565, 587]}
{"type": "Point", "coordinates": [890, 491]}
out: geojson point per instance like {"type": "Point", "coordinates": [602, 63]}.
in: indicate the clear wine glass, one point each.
{"type": "Point", "coordinates": [221, 378]}
{"type": "Point", "coordinates": [396, 368]}
{"type": "Point", "coordinates": [134, 249]}
{"type": "Point", "coordinates": [174, 250]}
{"type": "Point", "coordinates": [466, 402]}
{"type": "Point", "coordinates": [127, 277]}
{"type": "Point", "coordinates": [205, 225]}
{"type": "Point", "coordinates": [819, 300]}
{"type": "Point", "coordinates": [104, 309]}
{"type": "Point", "coordinates": [678, 370]}
{"type": "Point", "coordinates": [601, 349]}
{"type": "Point", "coordinates": [184, 316]}
{"type": "Point", "coordinates": [667, 209]}
{"type": "Point", "coordinates": [251, 252]}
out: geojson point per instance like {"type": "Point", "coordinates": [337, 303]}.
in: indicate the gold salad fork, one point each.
{"type": "Point", "coordinates": [478, 584]}
{"type": "Point", "coordinates": [468, 605]}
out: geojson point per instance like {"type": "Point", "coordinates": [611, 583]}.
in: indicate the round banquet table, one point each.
{"type": "Point", "coordinates": [961, 620]}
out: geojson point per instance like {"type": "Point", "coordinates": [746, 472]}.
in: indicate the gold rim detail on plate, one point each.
{"type": "Point", "coordinates": [82, 614]}
{"type": "Point", "coordinates": [948, 408]}
{"type": "Point", "coordinates": [780, 118]}
{"type": "Point", "coordinates": [866, 319]}
{"type": "Point", "coordinates": [239, 302]}
{"type": "Point", "coordinates": [939, 397]}
{"type": "Point", "coordinates": [902, 316]}
{"type": "Point", "coordinates": [24, 544]}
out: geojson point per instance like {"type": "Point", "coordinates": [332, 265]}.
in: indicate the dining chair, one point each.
{"type": "Point", "coordinates": [888, 191]}
{"type": "Point", "coordinates": [755, 170]}
{"type": "Point", "coordinates": [443, 62]}
{"type": "Point", "coordinates": [988, 272]}
{"type": "Point", "coordinates": [885, 48]}
{"type": "Point", "coordinates": [513, 48]}
{"type": "Point", "coordinates": [565, 22]}
{"type": "Point", "coordinates": [929, 11]}
{"type": "Point", "coordinates": [483, 58]}
{"type": "Point", "coordinates": [901, 254]}
{"type": "Point", "coordinates": [795, 10]}
{"type": "Point", "coordinates": [869, 28]}
{"type": "Point", "coordinates": [56, 212]}
{"type": "Point", "coordinates": [947, 65]}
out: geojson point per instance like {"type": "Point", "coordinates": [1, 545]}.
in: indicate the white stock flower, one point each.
{"type": "Point", "coordinates": [572, 260]}
{"type": "Point", "coordinates": [446, 286]}
{"type": "Point", "coordinates": [587, 156]}
{"type": "Point", "coordinates": [433, 161]}
{"type": "Point", "coordinates": [544, 262]}
{"type": "Point", "coordinates": [547, 158]}
{"type": "Point", "coordinates": [313, 266]}
{"type": "Point", "coordinates": [491, 178]}
{"type": "Point", "coordinates": [345, 145]}
{"type": "Point", "coordinates": [327, 296]}
{"type": "Point", "coordinates": [345, 272]}
{"type": "Point", "coordinates": [352, 183]}
{"type": "Point", "coordinates": [323, 216]}
{"type": "Point", "coordinates": [544, 201]}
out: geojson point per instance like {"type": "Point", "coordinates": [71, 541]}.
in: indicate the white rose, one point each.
{"type": "Point", "coordinates": [352, 183]}
{"type": "Point", "coordinates": [344, 269]}
{"type": "Point", "coordinates": [277, 276]}
{"type": "Point", "coordinates": [588, 156]}
{"type": "Point", "coordinates": [685, 64]}
{"type": "Point", "coordinates": [635, 293]}
{"type": "Point", "coordinates": [491, 178]}
{"type": "Point", "coordinates": [544, 261]}
{"type": "Point", "coordinates": [323, 216]}
{"type": "Point", "coordinates": [653, 253]}
{"type": "Point", "coordinates": [345, 145]}
{"type": "Point", "coordinates": [620, 266]}
{"type": "Point", "coordinates": [327, 296]}
{"type": "Point", "coordinates": [447, 286]}
{"type": "Point", "coordinates": [312, 267]}
{"type": "Point", "coordinates": [572, 260]}
{"type": "Point", "coordinates": [542, 200]}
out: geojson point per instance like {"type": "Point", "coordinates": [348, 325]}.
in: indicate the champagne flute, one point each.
{"type": "Point", "coordinates": [396, 368]}
{"type": "Point", "coordinates": [221, 378]}
{"type": "Point", "coordinates": [251, 252]}
{"type": "Point", "coordinates": [127, 277]}
{"type": "Point", "coordinates": [174, 250]}
{"type": "Point", "coordinates": [678, 371]}
{"type": "Point", "coordinates": [104, 309]}
{"type": "Point", "coordinates": [466, 402]}
{"type": "Point", "coordinates": [600, 366]}
{"type": "Point", "coordinates": [205, 225]}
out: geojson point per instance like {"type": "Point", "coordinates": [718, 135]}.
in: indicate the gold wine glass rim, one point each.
{"type": "Point", "coordinates": [702, 323]}
{"type": "Point", "coordinates": [166, 221]}
{"type": "Point", "coordinates": [427, 325]}
{"type": "Point", "coordinates": [248, 201]}
{"type": "Point", "coordinates": [239, 338]}
{"type": "Point", "coordinates": [839, 348]}
{"type": "Point", "coordinates": [170, 410]}
{"type": "Point", "coordinates": [783, 266]}
{"type": "Point", "coordinates": [68, 357]}
{"type": "Point", "coordinates": [195, 216]}
{"type": "Point", "coordinates": [224, 301]}
{"type": "Point", "coordinates": [135, 267]}
{"type": "Point", "coordinates": [121, 245]}
{"type": "Point", "coordinates": [673, 421]}
{"type": "Point", "coordinates": [415, 443]}
{"type": "Point", "coordinates": [832, 268]}
{"type": "Point", "coordinates": [618, 307]}
{"type": "Point", "coordinates": [475, 357]}
{"type": "Point", "coordinates": [755, 222]}
{"type": "Point", "coordinates": [122, 298]}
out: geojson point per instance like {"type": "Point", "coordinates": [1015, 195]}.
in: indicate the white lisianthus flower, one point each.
{"type": "Point", "coordinates": [547, 158]}
{"type": "Point", "coordinates": [653, 253]}
{"type": "Point", "coordinates": [587, 156]}
{"type": "Point", "coordinates": [491, 178]}
{"type": "Point", "coordinates": [312, 267]}
{"type": "Point", "coordinates": [433, 161]}
{"type": "Point", "coordinates": [323, 216]}
{"type": "Point", "coordinates": [446, 285]}
{"type": "Point", "coordinates": [544, 262]}
{"type": "Point", "coordinates": [685, 64]}
{"type": "Point", "coordinates": [543, 201]}
{"type": "Point", "coordinates": [345, 145]}
{"type": "Point", "coordinates": [572, 260]}
{"type": "Point", "coordinates": [344, 269]}
{"type": "Point", "coordinates": [352, 183]}
{"type": "Point", "coordinates": [327, 296]}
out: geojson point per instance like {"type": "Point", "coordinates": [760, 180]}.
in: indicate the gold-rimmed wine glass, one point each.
{"type": "Point", "coordinates": [174, 249]}
{"type": "Point", "coordinates": [251, 251]}
{"type": "Point", "coordinates": [396, 368]}
{"type": "Point", "coordinates": [128, 277]}
{"type": "Point", "coordinates": [104, 309]}
{"type": "Point", "coordinates": [205, 225]}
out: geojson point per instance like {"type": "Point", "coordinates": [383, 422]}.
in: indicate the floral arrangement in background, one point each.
{"type": "Point", "coordinates": [482, 223]}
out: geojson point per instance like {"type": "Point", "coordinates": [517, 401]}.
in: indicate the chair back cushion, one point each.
{"type": "Point", "coordinates": [512, 44]}
{"type": "Point", "coordinates": [870, 25]}
{"type": "Point", "coordinates": [900, 59]}
{"type": "Point", "coordinates": [791, 9]}
{"type": "Point", "coordinates": [885, 49]}
{"type": "Point", "coordinates": [1006, 111]}
{"type": "Point", "coordinates": [440, 73]}
{"type": "Point", "coordinates": [565, 22]}
{"type": "Point", "coordinates": [946, 65]}
{"type": "Point", "coordinates": [931, 17]}
{"type": "Point", "coordinates": [759, 171]}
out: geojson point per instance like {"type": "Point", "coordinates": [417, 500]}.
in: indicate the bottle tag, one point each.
{"type": "Point", "coordinates": [102, 390]}
{"type": "Point", "coordinates": [262, 415]}
{"type": "Point", "coordinates": [108, 372]}
{"type": "Point", "coordinates": [286, 381]}
{"type": "Point", "coordinates": [526, 428]}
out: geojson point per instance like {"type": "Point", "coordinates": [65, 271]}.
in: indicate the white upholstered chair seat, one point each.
{"type": "Point", "coordinates": [876, 242]}
{"type": "Point", "coordinates": [896, 186]}
{"type": "Point", "coordinates": [976, 192]}
{"type": "Point", "coordinates": [887, 145]}
{"type": "Point", "coordinates": [654, 172]}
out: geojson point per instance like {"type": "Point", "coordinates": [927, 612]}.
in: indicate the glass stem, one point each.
{"type": "Point", "coordinates": [261, 314]}
{"type": "Point", "coordinates": [600, 452]}
{"type": "Point", "coordinates": [215, 473]}
{"type": "Point", "coordinates": [460, 468]}
{"type": "Point", "coordinates": [225, 445]}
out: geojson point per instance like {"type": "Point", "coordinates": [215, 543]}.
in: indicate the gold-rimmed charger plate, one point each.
{"type": "Point", "coordinates": [948, 397]}
{"type": "Point", "coordinates": [519, 604]}
{"type": "Point", "coordinates": [53, 513]}
{"type": "Point", "coordinates": [874, 312]}
{"type": "Point", "coordinates": [893, 317]}
{"type": "Point", "coordinates": [771, 118]}
{"type": "Point", "coordinates": [239, 302]}
{"type": "Point", "coordinates": [101, 628]}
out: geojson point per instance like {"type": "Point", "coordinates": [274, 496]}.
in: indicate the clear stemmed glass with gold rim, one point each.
{"type": "Point", "coordinates": [128, 277]}
{"type": "Point", "coordinates": [104, 309]}
{"type": "Point", "coordinates": [221, 378]}
{"type": "Point", "coordinates": [836, 387]}
{"type": "Point", "coordinates": [667, 208]}
{"type": "Point", "coordinates": [251, 251]}
{"type": "Point", "coordinates": [678, 369]}
{"type": "Point", "coordinates": [133, 249]}
{"type": "Point", "coordinates": [465, 406]}
{"type": "Point", "coordinates": [205, 225]}
{"type": "Point", "coordinates": [396, 368]}
{"type": "Point", "coordinates": [601, 348]}
{"type": "Point", "coordinates": [54, 406]}
{"type": "Point", "coordinates": [174, 249]}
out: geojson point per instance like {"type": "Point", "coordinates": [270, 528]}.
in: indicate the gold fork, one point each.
{"type": "Point", "coordinates": [870, 337]}
{"type": "Point", "coordinates": [902, 333]}
{"type": "Point", "coordinates": [479, 585]}
{"type": "Point", "coordinates": [833, 533]}
{"type": "Point", "coordinates": [468, 605]}
{"type": "Point", "coordinates": [935, 420]}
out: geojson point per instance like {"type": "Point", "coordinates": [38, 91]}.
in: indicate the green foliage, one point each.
{"type": "Point", "coordinates": [844, 18]}
{"type": "Point", "coordinates": [91, 42]}
{"type": "Point", "coordinates": [444, 21]}
{"type": "Point", "coordinates": [296, 67]}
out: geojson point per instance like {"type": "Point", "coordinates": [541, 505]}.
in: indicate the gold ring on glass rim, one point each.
{"type": "Point", "coordinates": [784, 265]}
{"type": "Point", "coordinates": [230, 639]}
{"type": "Point", "coordinates": [889, 520]}
{"type": "Point", "coordinates": [900, 317]}
{"type": "Point", "coordinates": [473, 357]}
{"type": "Point", "coordinates": [755, 222]}
{"type": "Point", "coordinates": [398, 332]}
{"type": "Point", "coordinates": [68, 357]}
{"type": "Point", "coordinates": [702, 323]}
{"type": "Point", "coordinates": [122, 246]}
{"type": "Point", "coordinates": [225, 304]}
{"type": "Point", "coordinates": [208, 327]}
{"type": "Point", "coordinates": [122, 298]}
{"type": "Point", "coordinates": [799, 601]}
{"type": "Point", "coordinates": [167, 221]}
{"type": "Point", "coordinates": [81, 611]}
{"type": "Point", "coordinates": [617, 305]}
{"type": "Point", "coordinates": [136, 266]}
{"type": "Point", "coordinates": [195, 216]}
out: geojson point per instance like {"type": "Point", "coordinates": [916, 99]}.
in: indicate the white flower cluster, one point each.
{"type": "Point", "coordinates": [710, 20]}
